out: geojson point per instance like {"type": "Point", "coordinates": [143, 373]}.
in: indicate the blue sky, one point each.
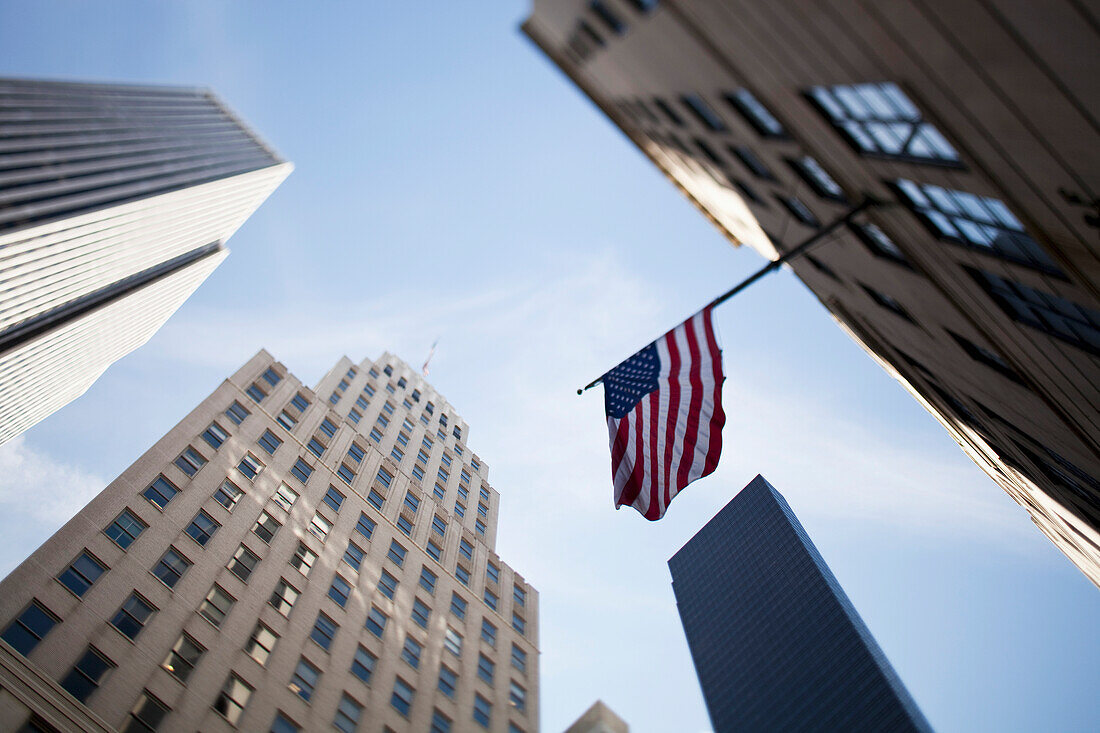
{"type": "Point", "coordinates": [449, 181]}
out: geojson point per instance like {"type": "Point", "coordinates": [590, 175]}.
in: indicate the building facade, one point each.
{"type": "Point", "coordinates": [977, 284]}
{"type": "Point", "coordinates": [283, 559]}
{"type": "Point", "coordinates": [598, 719]}
{"type": "Point", "coordinates": [776, 643]}
{"type": "Point", "coordinates": [115, 204]}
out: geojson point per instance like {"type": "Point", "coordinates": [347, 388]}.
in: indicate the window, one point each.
{"type": "Point", "coordinates": [250, 466]}
{"type": "Point", "coordinates": [439, 525]}
{"type": "Point", "coordinates": [183, 657]}
{"type": "Point", "coordinates": [412, 502]}
{"type": "Point", "coordinates": [458, 606]}
{"type": "Point", "coordinates": [383, 421]}
{"type": "Point", "coordinates": [236, 412]}
{"type": "Point", "coordinates": [316, 447]}
{"type": "Point", "coordinates": [482, 510]}
{"type": "Point", "coordinates": [818, 178]}
{"type": "Point", "coordinates": [385, 477]}
{"type": "Point", "coordinates": [269, 442]}
{"type": "Point", "coordinates": [464, 476]}
{"type": "Point", "coordinates": [376, 622]}
{"type": "Point", "coordinates": [388, 370]}
{"type": "Point", "coordinates": [485, 668]}
{"type": "Point", "coordinates": [402, 697]}
{"type": "Point", "coordinates": [255, 392]}
{"type": "Point", "coordinates": [285, 497]}
{"type": "Point", "coordinates": [452, 642]}
{"type": "Point", "coordinates": [488, 632]}
{"type": "Point", "coordinates": [369, 389]}
{"type": "Point", "coordinates": [362, 665]}
{"type": "Point", "coordinates": [517, 696]}
{"type": "Point", "coordinates": [302, 470]}
{"type": "Point", "coordinates": [706, 115]}
{"type": "Point", "coordinates": [266, 527]}
{"type": "Point", "coordinates": [324, 629]}
{"type": "Point", "coordinates": [475, 464]}
{"type": "Point", "coordinates": [755, 113]}
{"type": "Point", "coordinates": [421, 613]}
{"type": "Point", "coordinates": [334, 498]}
{"type": "Point", "coordinates": [355, 415]}
{"type": "Point", "coordinates": [708, 152]}
{"type": "Point", "coordinates": [435, 550]}
{"type": "Point", "coordinates": [190, 461]}
{"type": "Point", "coordinates": [125, 529]}
{"type": "Point", "coordinates": [334, 398]}
{"type": "Point", "coordinates": [243, 563]}
{"type": "Point", "coordinates": [405, 525]}
{"type": "Point", "coordinates": [427, 580]}
{"type": "Point", "coordinates": [202, 528]}
{"type": "Point", "coordinates": [131, 618]}
{"type": "Point", "coordinates": [216, 606]}
{"type": "Point", "coordinates": [354, 555]}
{"type": "Point", "coordinates": [299, 402]}
{"type": "Point", "coordinates": [492, 572]}
{"type": "Point", "coordinates": [439, 492]}
{"type": "Point", "coordinates": [87, 674]}
{"type": "Point", "coordinates": [29, 628]}
{"type": "Point", "coordinates": [387, 584]}
{"type": "Point", "coordinates": [286, 420]}
{"type": "Point", "coordinates": [463, 493]}
{"type": "Point", "coordinates": [376, 435]}
{"type": "Point", "coordinates": [303, 559]}
{"type": "Point", "coordinates": [228, 494]}
{"type": "Point", "coordinates": [362, 402]}
{"type": "Point", "coordinates": [990, 358]}
{"type": "Point", "coordinates": [283, 724]}
{"type": "Point", "coordinates": [519, 595]}
{"type": "Point", "coordinates": [346, 473]}
{"type": "Point", "coordinates": [878, 242]}
{"type": "Point", "coordinates": [460, 509]}
{"type": "Point", "coordinates": [429, 408]}
{"type": "Point", "coordinates": [356, 452]}
{"type": "Point", "coordinates": [160, 492]}
{"type": "Point", "coordinates": [233, 698]}
{"type": "Point", "coordinates": [519, 659]}
{"type": "Point", "coordinates": [484, 493]}
{"type": "Point", "coordinates": [447, 681]}
{"type": "Point", "coordinates": [366, 525]}
{"type": "Point", "coordinates": [390, 389]}
{"type": "Point", "coordinates": [397, 553]}
{"type": "Point", "coordinates": [347, 715]}
{"type": "Point", "coordinates": [418, 473]}
{"type": "Point", "coordinates": [888, 302]}
{"type": "Point", "coordinates": [283, 597]}
{"type": "Point", "coordinates": [978, 222]}
{"type": "Point", "coordinates": [491, 599]}
{"type": "Point", "coordinates": [518, 623]}
{"type": "Point", "coordinates": [261, 643]}
{"type": "Point", "coordinates": [1057, 317]}
{"type": "Point", "coordinates": [320, 526]}
{"type": "Point", "coordinates": [387, 408]}
{"type": "Point", "coordinates": [462, 574]}
{"type": "Point", "coordinates": [339, 590]}
{"type": "Point", "coordinates": [304, 680]}
{"type": "Point", "coordinates": [410, 652]}
{"type": "Point", "coordinates": [171, 567]}
{"type": "Point", "coordinates": [879, 119]}
{"type": "Point", "coordinates": [800, 211]}
{"type": "Point", "coordinates": [483, 710]}
{"type": "Point", "coordinates": [214, 435]}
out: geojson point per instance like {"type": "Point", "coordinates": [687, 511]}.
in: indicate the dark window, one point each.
{"type": "Point", "coordinates": [304, 680]}
{"type": "Point", "coordinates": [362, 666]}
{"type": "Point", "coordinates": [302, 470]}
{"type": "Point", "coordinates": [387, 584]}
{"type": "Point", "coordinates": [171, 567]}
{"type": "Point", "coordinates": [708, 152]}
{"type": "Point", "coordinates": [202, 528]}
{"type": "Point", "coordinates": [609, 19]}
{"type": "Point", "coordinates": [334, 498]}
{"type": "Point", "coordinates": [879, 119]}
{"type": "Point", "coordinates": [82, 573]}
{"type": "Point", "coordinates": [146, 715]}
{"type": "Point", "coordinates": [228, 494]}
{"type": "Point", "coordinates": [328, 427]}
{"type": "Point", "coordinates": [397, 553]}
{"type": "Point", "coordinates": [324, 629]}
{"type": "Point", "coordinates": [385, 477]}
{"type": "Point", "coordinates": [427, 580]}
{"type": "Point", "coordinates": [421, 613]}
{"type": "Point", "coordinates": [448, 680]}
{"type": "Point", "coordinates": [590, 33]}
{"type": "Point", "coordinates": [879, 243]}
{"type": "Point", "coordinates": [755, 113]}
{"type": "Point", "coordinates": [985, 356]}
{"type": "Point", "coordinates": [300, 402]}
{"type": "Point", "coordinates": [266, 527]}
{"type": "Point", "coordinates": [160, 492]}
{"type": "Point", "coordinates": [800, 211]}
{"type": "Point", "coordinates": [354, 555]}
{"type": "Point", "coordinates": [86, 674]}
{"type": "Point", "coordinates": [746, 191]}
{"type": "Point", "coordinates": [232, 698]}
{"type": "Point", "coordinates": [434, 550]}
{"type": "Point", "coordinates": [752, 162]}
{"type": "Point", "coordinates": [483, 710]}
{"type": "Point", "coordinates": [255, 392]}
{"type": "Point", "coordinates": [376, 622]}
{"type": "Point", "coordinates": [488, 632]}
{"type": "Point", "coordinates": [190, 461]}
{"type": "Point", "coordinates": [183, 657]}
{"type": "Point", "coordinates": [410, 652]}
{"type": "Point", "coordinates": [888, 302]}
{"type": "Point", "coordinates": [214, 435]}
{"type": "Point", "coordinates": [269, 442]}
{"type": "Point", "coordinates": [458, 606]}
{"type": "Point", "coordinates": [236, 412]}
{"type": "Point", "coordinates": [673, 117]}
{"type": "Point", "coordinates": [402, 697]}
{"type": "Point", "coordinates": [216, 606]}
{"type": "Point", "coordinates": [131, 618]}
{"type": "Point", "coordinates": [339, 591]}
{"type": "Point", "coordinates": [704, 112]}
{"type": "Point", "coordinates": [366, 525]}
{"type": "Point", "coordinates": [243, 563]}
{"type": "Point", "coordinates": [347, 715]}
{"type": "Point", "coordinates": [817, 177]}
{"type": "Point", "coordinates": [283, 597]}
{"type": "Point", "coordinates": [125, 529]}
{"type": "Point", "coordinates": [29, 628]}
{"type": "Point", "coordinates": [519, 658]}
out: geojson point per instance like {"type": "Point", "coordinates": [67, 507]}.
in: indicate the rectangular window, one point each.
{"type": "Point", "coordinates": [462, 574]}
{"type": "Point", "coordinates": [466, 549]}
{"type": "Point", "coordinates": [243, 563]}
{"type": "Point", "coordinates": [125, 529]}
{"type": "Point", "coordinates": [458, 606]}
{"type": "Point", "coordinates": [354, 415]}
{"type": "Point", "coordinates": [490, 599]}
{"type": "Point", "coordinates": [519, 595]}
{"type": "Point", "coordinates": [299, 402]}
{"type": "Point", "coordinates": [236, 412]}
{"type": "Point", "coordinates": [131, 618]}
{"type": "Point", "coordinates": [30, 627]}
{"type": "Point", "coordinates": [334, 398]}
{"type": "Point", "coordinates": [362, 666]}
{"type": "Point", "coordinates": [255, 392]}
{"type": "Point", "coordinates": [439, 525]}
{"type": "Point", "coordinates": [261, 644]}
{"type": "Point", "coordinates": [421, 613]}
{"type": "Point", "coordinates": [160, 492]}
{"type": "Point", "coordinates": [283, 597]}
{"type": "Point", "coordinates": [519, 659]}
{"type": "Point", "coordinates": [334, 498]}
{"type": "Point", "coordinates": [435, 550]}
{"type": "Point", "coordinates": [266, 527]}
{"type": "Point", "coordinates": [452, 642]}
{"type": "Point", "coordinates": [752, 162]}
{"type": "Point", "coordinates": [385, 477]}
{"type": "Point", "coordinates": [448, 680]}
{"type": "Point", "coordinates": [383, 421]}
{"type": "Point", "coordinates": [369, 389]}
{"type": "Point", "coordinates": [418, 473]}
{"type": "Point", "coordinates": [492, 572]}
{"type": "Point", "coordinates": [171, 567]}
{"type": "Point", "coordinates": [285, 497]}
{"type": "Point", "coordinates": [823, 184]}
{"type": "Point", "coordinates": [361, 402]}
{"type": "Point", "coordinates": [518, 623]}
{"type": "Point", "coordinates": [316, 447]}
{"type": "Point", "coordinates": [410, 652]}
{"type": "Point", "coordinates": [271, 377]}
{"type": "Point", "coordinates": [376, 435]}
{"type": "Point", "coordinates": [345, 473]}
{"type": "Point", "coordinates": [228, 494]}
{"type": "Point", "coordinates": [439, 492]}
{"type": "Point", "coordinates": [397, 553]}
{"type": "Point", "coordinates": [483, 710]}
{"type": "Point", "coordinates": [482, 510]}
{"type": "Point", "coordinates": [366, 525]}
{"type": "Point", "coordinates": [87, 674]}
{"type": "Point", "coordinates": [347, 715]}
{"type": "Point", "coordinates": [517, 696]}
{"type": "Point", "coordinates": [703, 112]}
{"type": "Point", "coordinates": [269, 442]}
{"type": "Point", "coordinates": [464, 476]}
{"type": "Point", "coordinates": [376, 622]}
{"type": "Point", "coordinates": [320, 526]}
{"type": "Point", "coordinates": [216, 606]}
{"type": "Point", "coordinates": [250, 466]}
{"type": "Point", "coordinates": [488, 632]}
{"type": "Point", "coordinates": [303, 559]}
{"type": "Point", "coordinates": [328, 427]}
{"type": "Point", "coordinates": [339, 590]}
{"type": "Point", "coordinates": [397, 454]}
{"type": "Point", "coordinates": [412, 502]}
{"type": "Point", "coordinates": [183, 657]}
{"type": "Point", "coordinates": [427, 580]}
{"type": "Point", "coordinates": [233, 698]}
{"type": "Point", "coordinates": [214, 435]}
{"type": "Point", "coordinates": [888, 302]}
{"type": "Point", "coordinates": [304, 680]}
{"type": "Point", "coordinates": [302, 470]}
{"type": "Point", "coordinates": [324, 630]}
{"type": "Point", "coordinates": [387, 584]}
{"type": "Point", "coordinates": [755, 113]}
{"type": "Point", "coordinates": [460, 510]}
{"type": "Point", "coordinates": [202, 528]}
{"type": "Point", "coordinates": [190, 461]}
{"type": "Point", "coordinates": [286, 420]}
{"type": "Point", "coordinates": [799, 210]}
{"type": "Point", "coordinates": [283, 724]}
{"type": "Point", "coordinates": [402, 697]}
{"type": "Point", "coordinates": [354, 555]}
{"type": "Point", "coordinates": [404, 525]}
{"type": "Point", "coordinates": [878, 242]}
{"type": "Point", "coordinates": [486, 669]}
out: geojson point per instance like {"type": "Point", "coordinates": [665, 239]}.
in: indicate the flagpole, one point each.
{"type": "Point", "coordinates": [865, 203]}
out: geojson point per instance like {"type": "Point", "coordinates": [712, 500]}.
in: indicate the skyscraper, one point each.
{"type": "Point", "coordinates": [776, 643]}
{"type": "Point", "coordinates": [115, 204]}
{"type": "Point", "coordinates": [979, 288]}
{"type": "Point", "coordinates": [283, 559]}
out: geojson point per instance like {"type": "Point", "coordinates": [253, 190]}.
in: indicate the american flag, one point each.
{"type": "Point", "coordinates": [664, 416]}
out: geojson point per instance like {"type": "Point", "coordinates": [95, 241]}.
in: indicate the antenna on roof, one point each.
{"type": "Point", "coordinates": [431, 352]}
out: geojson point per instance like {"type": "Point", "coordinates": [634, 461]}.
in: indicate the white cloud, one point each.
{"type": "Point", "coordinates": [36, 485]}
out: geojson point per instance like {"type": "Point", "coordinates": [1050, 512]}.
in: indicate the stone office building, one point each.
{"type": "Point", "coordinates": [283, 559]}
{"type": "Point", "coordinates": [977, 283]}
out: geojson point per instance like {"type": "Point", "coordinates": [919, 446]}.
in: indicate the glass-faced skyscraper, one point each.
{"type": "Point", "coordinates": [776, 643]}
{"type": "Point", "coordinates": [284, 559]}
{"type": "Point", "coordinates": [115, 204]}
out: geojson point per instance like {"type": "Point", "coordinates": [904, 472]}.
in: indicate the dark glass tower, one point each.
{"type": "Point", "coordinates": [776, 643]}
